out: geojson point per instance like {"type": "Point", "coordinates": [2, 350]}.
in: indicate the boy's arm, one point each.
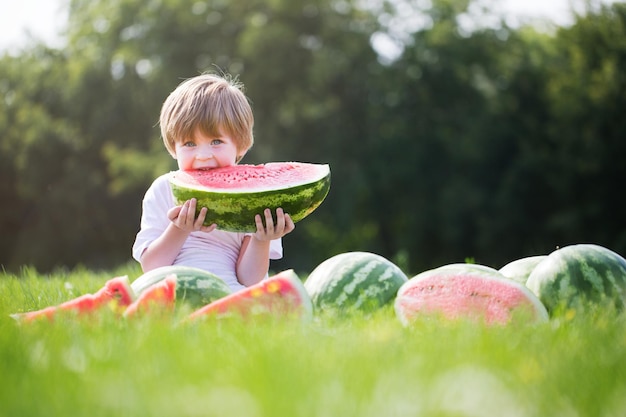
{"type": "Point", "coordinates": [164, 250]}
{"type": "Point", "coordinates": [254, 257]}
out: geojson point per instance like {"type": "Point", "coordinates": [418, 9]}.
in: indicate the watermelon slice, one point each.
{"type": "Point", "coordinates": [160, 296]}
{"type": "Point", "coordinates": [116, 293]}
{"type": "Point", "coordinates": [280, 295]}
{"type": "Point", "coordinates": [467, 291]}
{"type": "Point", "coordinates": [235, 194]}
{"type": "Point", "coordinates": [194, 286]}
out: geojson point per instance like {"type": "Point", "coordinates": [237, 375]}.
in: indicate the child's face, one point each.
{"type": "Point", "coordinates": [204, 152]}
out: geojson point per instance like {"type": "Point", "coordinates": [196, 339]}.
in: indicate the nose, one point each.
{"type": "Point", "coordinates": [204, 153]}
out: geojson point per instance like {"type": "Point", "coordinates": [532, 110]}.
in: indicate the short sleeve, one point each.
{"type": "Point", "coordinates": [157, 202]}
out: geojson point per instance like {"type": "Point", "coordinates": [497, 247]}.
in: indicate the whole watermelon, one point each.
{"type": "Point", "coordinates": [360, 281]}
{"type": "Point", "coordinates": [194, 286]}
{"type": "Point", "coordinates": [579, 276]}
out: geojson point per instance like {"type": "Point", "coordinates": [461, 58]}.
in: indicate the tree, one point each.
{"type": "Point", "coordinates": [490, 143]}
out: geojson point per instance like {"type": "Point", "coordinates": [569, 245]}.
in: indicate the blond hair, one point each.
{"type": "Point", "coordinates": [216, 105]}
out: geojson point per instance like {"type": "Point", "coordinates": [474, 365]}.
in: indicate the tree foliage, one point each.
{"type": "Point", "coordinates": [492, 143]}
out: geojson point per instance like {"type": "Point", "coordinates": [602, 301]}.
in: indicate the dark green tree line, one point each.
{"type": "Point", "coordinates": [494, 144]}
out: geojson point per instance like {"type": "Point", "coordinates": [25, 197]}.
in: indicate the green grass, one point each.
{"type": "Point", "coordinates": [353, 366]}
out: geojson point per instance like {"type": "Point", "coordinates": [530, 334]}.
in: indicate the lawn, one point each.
{"type": "Point", "coordinates": [361, 365]}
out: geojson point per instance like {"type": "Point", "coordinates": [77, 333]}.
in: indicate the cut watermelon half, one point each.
{"type": "Point", "coordinates": [158, 297]}
{"type": "Point", "coordinates": [467, 291]}
{"type": "Point", "coordinates": [116, 293]}
{"type": "Point", "coordinates": [282, 295]}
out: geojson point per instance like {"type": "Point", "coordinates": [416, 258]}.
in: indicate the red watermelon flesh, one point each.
{"type": "Point", "coordinates": [280, 295]}
{"type": "Point", "coordinates": [467, 291]}
{"type": "Point", "coordinates": [160, 296]}
{"type": "Point", "coordinates": [117, 289]}
{"type": "Point", "coordinates": [116, 293]}
{"type": "Point", "coordinates": [252, 178]}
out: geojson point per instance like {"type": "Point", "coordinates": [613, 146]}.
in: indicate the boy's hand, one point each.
{"type": "Point", "coordinates": [272, 231]}
{"type": "Point", "coordinates": [183, 217]}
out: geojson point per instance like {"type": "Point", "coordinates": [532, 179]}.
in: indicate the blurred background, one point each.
{"type": "Point", "coordinates": [455, 129]}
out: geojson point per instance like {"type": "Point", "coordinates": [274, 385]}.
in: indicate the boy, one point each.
{"type": "Point", "coordinates": [206, 122]}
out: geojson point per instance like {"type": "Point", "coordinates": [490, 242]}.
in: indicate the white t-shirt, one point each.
{"type": "Point", "coordinates": [216, 251]}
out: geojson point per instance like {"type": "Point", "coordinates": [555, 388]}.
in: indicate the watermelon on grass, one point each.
{"type": "Point", "coordinates": [359, 281]}
{"type": "Point", "coordinates": [520, 269]}
{"type": "Point", "coordinates": [116, 293]}
{"type": "Point", "coordinates": [194, 286]}
{"type": "Point", "coordinates": [281, 295]}
{"type": "Point", "coordinates": [234, 195]}
{"type": "Point", "coordinates": [466, 291]}
{"type": "Point", "coordinates": [159, 296]}
{"type": "Point", "coordinates": [578, 276]}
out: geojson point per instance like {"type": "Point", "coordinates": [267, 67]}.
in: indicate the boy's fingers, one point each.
{"type": "Point", "coordinates": [259, 223]}
{"type": "Point", "coordinates": [201, 216]}
{"type": "Point", "coordinates": [289, 224]}
{"type": "Point", "coordinates": [280, 219]}
{"type": "Point", "coordinates": [191, 210]}
{"type": "Point", "coordinates": [269, 221]}
{"type": "Point", "coordinates": [174, 212]}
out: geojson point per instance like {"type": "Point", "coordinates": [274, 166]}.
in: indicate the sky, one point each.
{"type": "Point", "coordinates": [44, 18]}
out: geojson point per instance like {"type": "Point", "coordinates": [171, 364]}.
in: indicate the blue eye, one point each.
{"type": "Point", "coordinates": [189, 144]}
{"type": "Point", "coordinates": [216, 141]}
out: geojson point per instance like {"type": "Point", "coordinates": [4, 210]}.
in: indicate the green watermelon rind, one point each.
{"type": "Point", "coordinates": [235, 211]}
{"type": "Point", "coordinates": [472, 271]}
{"type": "Point", "coordinates": [354, 281]}
{"type": "Point", "coordinates": [194, 286]}
{"type": "Point", "coordinates": [579, 276]}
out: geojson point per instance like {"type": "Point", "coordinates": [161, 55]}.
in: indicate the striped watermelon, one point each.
{"type": "Point", "coordinates": [519, 270]}
{"type": "Point", "coordinates": [281, 295]}
{"type": "Point", "coordinates": [466, 291]}
{"type": "Point", "coordinates": [194, 286]}
{"type": "Point", "coordinates": [115, 294]}
{"type": "Point", "coordinates": [359, 281]}
{"type": "Point", "coordinates": [578, 276]}
{"type": "Point", "coordinates": [235, 194]}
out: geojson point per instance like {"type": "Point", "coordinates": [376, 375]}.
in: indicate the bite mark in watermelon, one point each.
{"type": "Point", "coordinates": [235, 195]}
{"type": "Point", "coordinates": [466, 291]}
{"type": "Point", "coordinates": [282, 295]}
{"type": "Point", "coordinates": [160, 296]}
{"type": "Point", "coordinates": [115, 294]}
